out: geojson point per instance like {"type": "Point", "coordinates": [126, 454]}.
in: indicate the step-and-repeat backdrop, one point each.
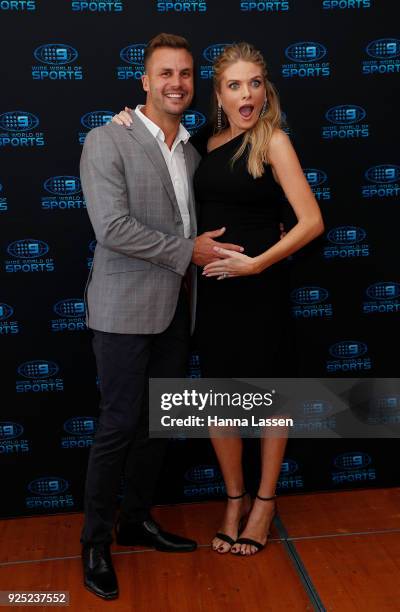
{"type": "Point", "coordinates": [68, 67]}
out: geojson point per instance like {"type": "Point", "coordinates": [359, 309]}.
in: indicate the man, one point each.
{"type": "Point", "coordinates": [138, 189]}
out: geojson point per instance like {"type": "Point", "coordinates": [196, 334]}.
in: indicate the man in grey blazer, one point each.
{"type": "Point", "coordinates": [137, 184]}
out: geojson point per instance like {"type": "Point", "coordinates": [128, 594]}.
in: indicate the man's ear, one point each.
{"type": "Point", "coordinates": [145, 82]}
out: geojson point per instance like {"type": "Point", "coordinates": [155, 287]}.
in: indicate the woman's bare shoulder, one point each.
{"type": "Point", "coordinates": [279, 138]}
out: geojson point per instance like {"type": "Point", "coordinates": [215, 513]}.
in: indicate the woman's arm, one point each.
{"type": "Point", "coordinates": [289, 173]}
{"type": "Point", "coordinates": [309, 225]}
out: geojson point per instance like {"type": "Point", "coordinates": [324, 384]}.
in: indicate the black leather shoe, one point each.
{"type": "Point", "coordinates": [148, 533]}
{"type": "Point", "coordinates": [98, 571]}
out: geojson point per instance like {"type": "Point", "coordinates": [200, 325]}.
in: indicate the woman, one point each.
{"type": "Point", "coordinates": [240, 323]}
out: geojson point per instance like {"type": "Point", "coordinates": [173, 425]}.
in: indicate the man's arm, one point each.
{"type": "Point", "coordinates": [104, 187]}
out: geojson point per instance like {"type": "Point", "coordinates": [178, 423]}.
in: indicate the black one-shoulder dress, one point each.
{"type": "Point", "coordinates": [241, 321]}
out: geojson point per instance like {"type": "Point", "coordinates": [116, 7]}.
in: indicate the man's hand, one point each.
{"type": "Point", "coordinates": [204, 253]}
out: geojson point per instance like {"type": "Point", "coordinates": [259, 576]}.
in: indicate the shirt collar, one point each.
{"type": "Point", "coordinates": [181, 136]}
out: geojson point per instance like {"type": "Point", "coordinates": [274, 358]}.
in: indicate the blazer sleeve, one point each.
{"type": "Point", "coordinates": [104, 188]}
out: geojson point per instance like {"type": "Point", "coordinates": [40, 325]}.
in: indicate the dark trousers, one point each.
{"type": "Point", "coordinates": [125, 362]}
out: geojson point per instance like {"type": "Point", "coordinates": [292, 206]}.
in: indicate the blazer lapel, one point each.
{"type": "Point", "coordinates": [139, 132]}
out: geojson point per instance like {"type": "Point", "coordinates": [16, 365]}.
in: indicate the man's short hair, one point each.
{"type": "Point", "coordinates": [172, 41]}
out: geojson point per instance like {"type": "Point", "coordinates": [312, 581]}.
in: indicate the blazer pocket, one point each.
{"type": "Point", "coordinates": [126, 264]}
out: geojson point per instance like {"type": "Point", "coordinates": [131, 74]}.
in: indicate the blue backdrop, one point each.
{"type": "Point", "coordinates": [67, 67]}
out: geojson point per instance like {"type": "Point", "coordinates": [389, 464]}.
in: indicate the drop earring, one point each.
{"type": "Point", "coordinates": [264, 108]}
{"type": "Point", "coordinates": [219, 117]}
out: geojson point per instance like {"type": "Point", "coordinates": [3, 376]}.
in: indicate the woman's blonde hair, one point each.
{"type": "Point", "coordinates": [259, 136]}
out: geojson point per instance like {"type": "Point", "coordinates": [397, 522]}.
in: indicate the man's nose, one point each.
{"type": "Point", "coordinates": [175, 80]}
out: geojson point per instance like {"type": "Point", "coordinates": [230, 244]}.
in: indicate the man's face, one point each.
{"type": "Point", "coordinates": [169, 81]}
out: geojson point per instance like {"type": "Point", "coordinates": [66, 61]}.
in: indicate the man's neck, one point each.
{"type": "Point", "coordinates": [168, 123]}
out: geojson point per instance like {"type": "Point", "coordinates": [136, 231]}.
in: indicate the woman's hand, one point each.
{"type": "Point", "coordinates": [231, 264]}
{"type": "Point", "coordinates": [124, 117]}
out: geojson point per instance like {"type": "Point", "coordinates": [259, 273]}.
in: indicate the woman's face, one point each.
{"type": "Point", "coordinates": [241, 94]}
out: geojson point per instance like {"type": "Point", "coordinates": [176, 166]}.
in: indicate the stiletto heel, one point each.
{"type": "Point", "coordinates": [250, 541]}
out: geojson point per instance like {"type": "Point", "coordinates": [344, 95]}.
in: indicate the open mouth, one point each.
{"type": "Point", "coordinates": [246, 110]}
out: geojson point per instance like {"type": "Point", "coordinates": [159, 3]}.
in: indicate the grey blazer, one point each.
{"type": "Point", "coordinates": [141, 254]}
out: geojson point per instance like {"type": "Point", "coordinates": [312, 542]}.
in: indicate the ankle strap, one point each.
{"type": "Point", "coordinates": [266, 498]}
{"type": "Point", "coordinates": [236, 496]}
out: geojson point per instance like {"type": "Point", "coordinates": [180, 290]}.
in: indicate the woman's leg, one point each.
{"type": "Point", "coordinates": [229, 454]}
{"type": "Point", "coordinates": [258, 524]}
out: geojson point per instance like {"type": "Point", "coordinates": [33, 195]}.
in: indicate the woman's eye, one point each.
{"type": "Point", "coordinates": [256, 83]}
{"type": "Point", "coordinates": [233, 85]}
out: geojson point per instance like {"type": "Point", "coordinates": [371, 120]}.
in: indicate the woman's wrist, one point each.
{"type": "Point", "coordinates": [257, 265]}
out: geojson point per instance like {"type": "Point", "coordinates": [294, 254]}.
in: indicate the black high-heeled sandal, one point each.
{"type": "Point", "coordinates": [257, 545]}
{"type": "Point", "coordinates": [224, 536]}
